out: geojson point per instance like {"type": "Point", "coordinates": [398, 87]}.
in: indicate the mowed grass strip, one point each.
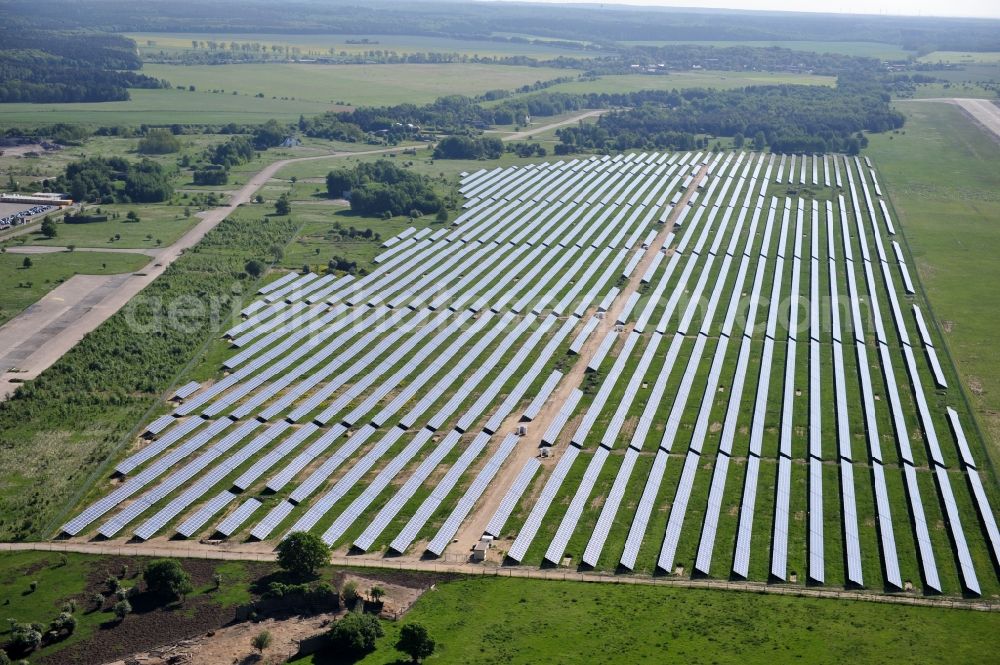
{"type": "Point", "coordinates": [942, 179]}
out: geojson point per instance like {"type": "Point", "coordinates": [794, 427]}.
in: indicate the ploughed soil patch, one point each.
{"type": "Point", "coordinates": [151, 623]}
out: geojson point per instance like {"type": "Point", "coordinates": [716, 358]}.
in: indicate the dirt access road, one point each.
{"type": "Point", "coordinates": [236, 552]}
{"type": "Point", "coordinates": [983, 111]}
{"type": "Point", "coordinates": [41, 334]}
{"type": "Point", "coordinates": [474, 525]}
{"type": "Point", "coordinates": [518, 136]}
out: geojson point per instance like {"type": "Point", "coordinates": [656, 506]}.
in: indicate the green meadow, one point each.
{"type": "Point", "coordinates": [310, 45]}
{"type": "Point", "coordinates": [509, 620]}
{"type": "Point", "coordinates": [24, 286]}
{"type": "Point", "coordinates": [693, 79]}
{"type": "Point", "coordinates": [862, 49]}
{"type": "Point", "coordinates": [940, 173]}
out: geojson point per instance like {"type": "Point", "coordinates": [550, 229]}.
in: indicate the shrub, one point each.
{"type": "Point", "coordinates": [159, 142]}
{"type": "Point", "coordinates": [122, 609]}
{"type": "Point", "coordinates": [349, 593]}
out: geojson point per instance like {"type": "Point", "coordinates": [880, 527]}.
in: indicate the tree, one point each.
{"type": "Point", "coordinates": [122, 609]}
{"type": "Point", "coordinates": [276, 252]}
{"type": "Point", "coordinates": [415, 642]}
{"type": "Point", "coordinates": [376, 592]}
{"type": "Point", "coordinates": [48, 228]}
{"type": "Point", "coordinates": [132, 216]}
{"type": "Point", "coordinates": [442, 216]}
{"type": "Point", "coordinates": [738, 140]}
{"type": "Point", "coordinates": [261, 641]}
{"type": "Point", "coordinates": [282, 206]}
{"type": "Point", "coordinates": [759, 141]}
{"type": "Point", "coordinates": [356, 633]}
{"type": "Point", "coordinates": [4, 659]}
{"type": "Point", "coordinates": [254, 268]}
{"type": "Point", "coordinates": [302, 553]}
{"type": "Point", "coordinates": [26, 263]}
{"type": "Point", "coordinates": [167, 578]}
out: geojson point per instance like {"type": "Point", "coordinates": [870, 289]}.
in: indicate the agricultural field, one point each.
{"type": "Point", "coordinates": [681, 80]}
{"type": "Point", "coordinates": [229, 93]}
{"type": "Point", "coordinates": [961, 57]}
{"type": "Point", "coordinates": [325, 45]}
{"type": "Point", "coordinates": [26, 285]}
{"type": "Point", "coordinates": [164, 107]}
{"type": "Point", "coordinates": [861, 49]}
{"type": "Point", "coordinates": [353, 85]}
{"type": "Point", "coordinates": [723, 358]}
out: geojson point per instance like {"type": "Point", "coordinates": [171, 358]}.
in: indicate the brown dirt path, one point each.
{"type": "Point", "coordinates": [475, 524]}
{"type": "Point", "coordinates": [200, 551]}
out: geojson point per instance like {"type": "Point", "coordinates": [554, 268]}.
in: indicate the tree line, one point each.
{"type": "Point", "coordinates": [48, 66]}
{"type": "Point", "coordinates": [580, 27]}
{"type": "Point", "coordinates": [788, 118]}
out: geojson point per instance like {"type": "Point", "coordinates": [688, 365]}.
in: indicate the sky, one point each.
{"type": "Point", "coordinates": [976, 8]}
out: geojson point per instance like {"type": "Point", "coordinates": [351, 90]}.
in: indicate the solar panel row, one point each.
{"type": "Point", "coordinates": [450, 527]}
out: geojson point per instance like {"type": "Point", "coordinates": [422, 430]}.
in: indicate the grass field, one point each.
{"type": "Point", "coordinates": [161, 223]}
{"type": "Point", "coordinates": [938, 90]}
{"type": "Point", "coordinates": [354, 85]}
{"type": "Point", "coordinates": [321, 45]}
{"type": "Point", "coordinates": [495, 620]}
{"type": "Point", "coordinates": [163, 107]}
{"type": "Point", "coordinates": [24, 286]}
{"type": "Point", "coordinates": [942, 177]}
{"type": "Point", "coordinates": [961, 57]}
{"type": "Point", "coordinates": [679, 80]}
{"type": "Point", "coordinates": [289, 90]}
{"type": "Point", "coordinates": [864, 49]}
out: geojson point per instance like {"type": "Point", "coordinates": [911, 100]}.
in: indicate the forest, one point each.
{"type": "Point", "coordinates": [466, 147]}
{"type": "Point", "coordinates": [382, 188]}
{"type": "Point", "coordinates": [788, 118]}
{"type": "Point", "coordinates": [590, 28]}
{"type": "Point", "coordinates": [48, 66]}
{"type": "Point", "coordinates": [115, 180]}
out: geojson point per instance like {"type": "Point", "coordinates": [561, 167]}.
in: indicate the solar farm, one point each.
{"type": "Point", "coordinates": [695, 364]}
